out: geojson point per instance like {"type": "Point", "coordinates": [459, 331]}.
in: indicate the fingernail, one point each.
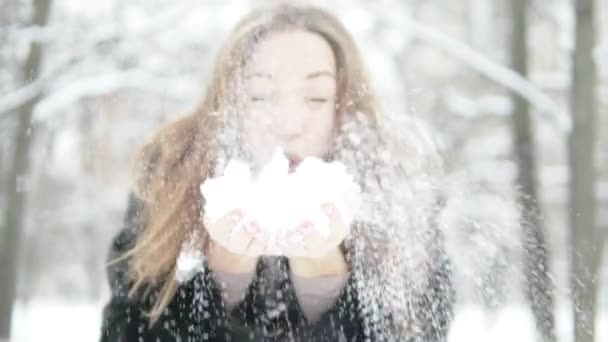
{"type": "Point", "coordinates": [328, 208]}
{"type": "Point", "coordinates": [260, 236]}
{"type": "Point", "coordinates": [237, 216]}
{"type": "Point", "coordinates": [275, 251]}
{"type": "Point", "coordinates": [295, 237]}
{"type": "Point", "coordinates": [283, 245]}
{"type": "Point", "coordinates": [252, 228]}
{"type": "Point", "coordinates": [307, 225]}
{"type": "Point", "coordinates": [272, 248]}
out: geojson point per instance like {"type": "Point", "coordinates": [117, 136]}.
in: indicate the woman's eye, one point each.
{"type": "Point", "coordinates": [258, 99]}
{"type": "Point", "coordinates": [317, 99]}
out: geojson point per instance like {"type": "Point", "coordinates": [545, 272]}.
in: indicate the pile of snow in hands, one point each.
{"type": "Point", "coordinates": [279, 201]}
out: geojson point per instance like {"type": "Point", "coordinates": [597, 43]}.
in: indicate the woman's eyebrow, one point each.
{"type": "Point", "coordinates": [259, 74]}
{"type": "Point", "coordinates": [319, 74]}
{"type": "Point", "coordinates": [308, 77]}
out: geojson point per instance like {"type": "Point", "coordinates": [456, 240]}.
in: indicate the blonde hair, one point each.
{"type": "Point", "coordinates": [170, 167]}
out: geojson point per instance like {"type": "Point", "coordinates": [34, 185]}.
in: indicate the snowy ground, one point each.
{"type": "Point", "coordinates": [52, 320]}
{"type": "Point", "coordinates": [60, 321]}
{"type": "Point", "coordinates": [513, 323]}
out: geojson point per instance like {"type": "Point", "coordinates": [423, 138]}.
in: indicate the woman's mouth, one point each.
{"type": "Point", "coordinates": [293, 163]}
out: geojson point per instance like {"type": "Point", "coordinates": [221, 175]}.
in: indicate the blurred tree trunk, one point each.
{"type": "Point", "coordinates": [538, 284]}
{"type": "Point", "coordinates": [4, 22]}
{"type": "Point", "coordinates": [480, 18]}
{"type": "Point", "coordinates": [15, 197]}
{"type": "Point", "coordinates": [586, 239]}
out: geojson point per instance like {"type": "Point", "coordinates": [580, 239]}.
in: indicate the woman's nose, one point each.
{"type": "Point", "coordinates": [288, 123]}
{"type": "Point", "coordinates": [287, 130]}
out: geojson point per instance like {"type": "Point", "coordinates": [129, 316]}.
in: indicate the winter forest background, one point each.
{"type": "Point", "coordinates": [516, 90]}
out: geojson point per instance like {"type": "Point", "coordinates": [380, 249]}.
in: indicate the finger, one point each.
{"type": "Point", "coordinates": [290, 243]}
{"type": "Point", "coordinates": [261, 241]}
{"type": "Point", "coordinates": [294, 236]}
{"type": "Point", "coordinates": [252, 228]}
{"type": "Point", "coordinates": [243, 247]}
{"type": "Point", "coordinates": [316, 244]}
{"type": "Point", "coordinates": [274, 249]}
{"type": "Point", "coordinates": [295, 249]}
{"type": "Point", "coordinates": [328, 208]}
{"type": "Point", "coordinates": [338, 229]}
{"type": "Point", "coordinates": [304, 228]}
{"type": "Point", "coordinates": [255, 248]}
{"type": "Point", "coordinates": [225, 226]}
{"type": "Point", "coordinates": [300, 240]}
{"type": "Point", "coordinates": [233, 217]}
{"type": "Point", "coordinates": [290, 240]}
{"type": "Point", "coordinates": [240, 239]}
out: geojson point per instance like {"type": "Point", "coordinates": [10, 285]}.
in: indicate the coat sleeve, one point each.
{"type": "Point", "coordinates": [123, 318]}
{"type": "Point", "coordinates": [439, 297]}
{"type": "Point", "coordinates": [438, 302]}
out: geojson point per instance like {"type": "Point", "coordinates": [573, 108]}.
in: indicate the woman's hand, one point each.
{"type": "Point", "coordinates": [305, 241]}
{"type": "Point", "coordinates": [313, 255]}
{"type": "Point", "coordinates": [234, 246]}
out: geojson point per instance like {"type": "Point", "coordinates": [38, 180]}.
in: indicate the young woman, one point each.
{"type": "Point", "coordinates": [290, 77]}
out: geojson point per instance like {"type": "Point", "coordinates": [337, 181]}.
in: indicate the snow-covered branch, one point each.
{"type": "Point", "coordinates": [96, 39]}
{"type": "Point", "coordinates": [19, 97]}
{"type": "Point", "coordinates": [105, 83]}
{"type": "Point", "coordinates": [493, 71]}
{"type": "Point", "coordinates": [483, 65]}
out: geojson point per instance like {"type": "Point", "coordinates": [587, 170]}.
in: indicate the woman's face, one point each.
{"type": "Point", "coordinates": [290, 87]}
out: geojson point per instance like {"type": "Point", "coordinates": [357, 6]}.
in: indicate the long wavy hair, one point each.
{"type": "Point", "coordinates": [169, 168]}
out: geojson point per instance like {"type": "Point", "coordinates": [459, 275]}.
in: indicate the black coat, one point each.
{"type": "Point", "coordinates": [269, 312]}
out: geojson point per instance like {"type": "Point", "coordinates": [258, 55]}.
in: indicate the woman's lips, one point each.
{"type": "Point", "coordinates": [293, 164]}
